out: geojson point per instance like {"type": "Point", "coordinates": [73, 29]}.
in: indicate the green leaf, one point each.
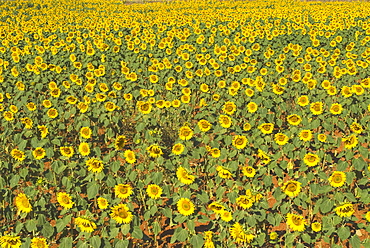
{"type": "Point", "coordinates": [47, 230]}
{"type": "Point", "coordinates": [326, 206]}
{"type": "Point", "coordinates": [92, 189]}
{"type": "Point", "coordinates": [95, 241]}
{"type": "Point", "coordinates": [343, 232]}
{"type": "Point", "coordinates": [182, 235]}
{"type": "Point", "coordinates": [31, 225]}
{"type": "Point", "coordinates": [137, 233]}
{"type": "Point", "coordinates": [66, 242]}
{"type": "Point", "coordinates": [156, 228]}
{"type": "Point", "coordinates": [14, 181]}
{"type": "Point", "coordinates": [197, 241]}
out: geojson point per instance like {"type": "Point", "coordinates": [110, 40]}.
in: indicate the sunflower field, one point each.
{"type": "Point", "coordinates": [201, 123]}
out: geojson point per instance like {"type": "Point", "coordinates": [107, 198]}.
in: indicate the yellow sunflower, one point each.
{"type": "Point", "coordinates": [85, 132]}
{"type": "Point", "coordinates": [39, 243]}
{"type": "Point", "coordinates": [266, 128]}
{"type": "Point", "coordinates": [316, 226]}
{"type": "Point", "coordinates": [291, 188]}
{"type": "Point", "coordinates": [120, 142]}
{"type": "Point", "coordinates": [303, 101]}
{"type": "Point", "coordinates": [350, 142]}
{"type": "Point", "coordinates": [322, 137]}
{"type": "Point", "coordinates": [336, 109]}
{"type": "Point", "coordinates": [226, 216]}
{"type": "Point", "coordinates": [52, 113]}
{"type": "Point", "coordinates": [185, 206]}
{"type": "Point", "coordinates": [281, 139]}
{"type": "Point", "coordinates": [102, 203]}
{"type": "Point", "coordinates": [94, 165]}
{"type": "Point", "coordinates": [239, 141]}
{"type": "Point", "coordinates": [248, 171]}
{"type": "Point", "coordinates": [144, 107]}
{"type": "Point", "coordinates": [252, 107]}
{"type": "Point", "coordinates": [311, 159]}
{"type": "Point", "coordinates": [65, 200]}
{"type": "Point", "coordinates": [18, 155]}
{"type": "Point", "coordinates": [238, 233]}
{"type": "Point", "coordinates": [305, 135]}
{"type": "Point", "coordinates": [215, 152]}
{"type": "Point", "coordinates": [66, 151]}
{"type": "Point", "coordinates": [154, 151]}
{"type": "Point", "coordinates": [296, 222]}
{"type": "Point", "coordinates": [121, 214]}
{"type": "Point", "coordinates": [216, 207]}
{"type": "Point", "coordinates": [85, 224]}
{"type": "Point", "coordinates": [345, 210]}
{"type": "Point", "coordinates": [8, 116]}
{"type": "Point", "coordinates": [185, 133]}
{"type": "Point", "coordinates": [43, 130]}
{"type": "Point", "coordinates": [337, 179]}
{"type": "Point", "coordinates": [225, 121]}
{"type": "Point", "coordinates": [367, 216]}
{"type": "Point", "coordinates": [356, 128]}
{"type": "Point", "coordinates": [244, 201]}
{"type": "Point", "coordinates": [229, 108]}
{"type": "Point", "coordinates": [154, 191]}
{"type": "Point", "coordinates": [294, 119]}
{"type": "Point", "coordinates": [123, 190]}
{"type": "Point", "coordinates": [130, 156]}
{"type": "Point", "coordinates": [10, 241]}
{"type": "Point", "coordinates": [84, 149]}
{"type": "Point", "coordinates": [178, 148]}
{"type": "Point", "coordinates": [22, 203]}
{"type": "Point", "coordinates": [39, 153]}
{"type": "Point", "coordinates": [224, 173]}
{"type": "Point", "coordinates": [204, 125]}
{"type": "Point", "coordinates": [317, 108]}
{"type": "Point", "coordinates": [184, 176]}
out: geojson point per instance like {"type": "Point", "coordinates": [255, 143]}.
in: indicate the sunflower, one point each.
{"type": "Point", "coordinates": [336, 108]}
{"type": "Point", "coordinates": [249, 171]}
{"type": "Point", "coordinates": [102, 203]}
{"type": "Point", "coordinates": [225, 121]}
{"type": "Point", "coordinates": [184, 176]}
{"type": "Point", "coordinates": [249, 92]}
{"type": "Point", "coordinates": [144, 107]}
{"type": "Point", "coordinates": [8, 116]}
{"type": "Point", "coordinates": [129, 156]}
{"type": "Point", "coordinates": [311, 159]}
{"type": "Point", "coordinates": [27, 122]}
{"type": "Point", "coordinates": [39, 243]}
{"type": "Point", "coordinates": [178, 148]}
{"type": "Point", "coordinates": [226, 216]}
{"type": "Point", "coordinates": [216, 207]}
{"type": "Point", "coordinates": [94, 165]}
{"type": "Point", "coordinates": [208, 243]}
{"type": "Point", "coordinates": [154, 151]}
{"type": "Point", "coordinates": [281, 139]}
{"type": "Point", "coordinates": [266, 128]}
{"type": "Point", "coordinates": [305, 135]}
{"type": "Point", "coordinates": [316, 226]}
{"type": "Point", "coordinates": [229, 108]}
{"type": "Point", "coordinates": [291, 188]}
{"type": "Point", "coordinates": [185, 206]}
{"type": "Point", "coordinates": [356, 128]}
{"type": "Point", "coordinates": [244, 201]}
{"type": "Point", "coordinates": [18, 155]}
{"type": "Point", "coordinates": [345, 210]}
{"type": "Point", "coordinates": [85, 224]}
{"type": "Point", "coordinates": [110, 106]}
{"type": "Point", "coordinates": [154, 191]}
{"type": "Point", "coordinates": [252, 107]}
{"type": "Point", "coordinates": [322, 137]}
{"type": "Point", "coordinates": [317, 108]}
{"type": "Point", "coordinates": [263, 156]}
{"type": "Point", "coordinates": [294, 119]}
{"type": "Point", "coordinates": [84, 149]}
{"type": "Point", "coordinates": [296, 222]}
{"type": "Point", "coordinates": [65, 200]}
{"type": "Point", "coordinates": [247, 126]}
{"type": "Point", "coordinates": [123, 190]}
{"type": "Point", "coordinates": [127, 96]}
{"type": "Point", "coordinates": [273, 235]}
{"type": "Point", "coordinates": [337, 179]}
{"type": "Point", "coordinates": [239, 141]}
{"type": "Point", "coordinates": [85, 132]}
{"type": "Point", "coordinates": [367, 216]}
{"type": "Point", "coordinates": [120, 142]}
{"type": "Point", "coordinates": [39, 153]}
{"type": "Point", "coordinates": [350, 142]}
{"type": "Point", "coordinates": [121, 213]}
{"type": "Point", "coordinates": [22, 203]}
{"type": "Point", "coordinates": [204, 125]}
{"type": "Point", "coordinates": [153, 79]}
{"type": "Point", "coordinates": [10, 241]}
{"type": "Point", "coordinates": [52, 113]}
{"type": "Point", "coordinates": [43, 130]}
{"type": "Point", "coordinates": [13, 108]}
{"type": "Point", "coordinates": [238, 233]}
{"type": "Point", "coordinates": [185, 133]}
{"type": "Point", "coordinates": [66, 151]}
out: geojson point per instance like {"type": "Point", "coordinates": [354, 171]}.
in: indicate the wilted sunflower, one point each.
{"type": "Point", "coordinates": [52, 113]}
{"type": "Point", "coordinates": [85, 132]}
{"type": "Point", "coordinates": [311, 159]}
{"type": "Point", "coordinates": [121, 213]}
{"type": "Point", "coordinates": [129, 156]}
{"type": "Point", "coordinates": [316, 226]}
{"type": "Point", "coordinates": [296, 222]}
{"type": "Point", "coordinates": [39, 153]}
{"type": "Point", "coordinates": [67, 151]}
{"type": "Point", "coordinates": [123, 190]}
{"type": "Point", "coordinates": [225, 121]}
{"type": "Point", "coordinates": [345, 210]}
{"type": "Point", "coordinates": [244, 201]}
{"type": "Point", "coordinates": [317, 108]}
{"type": "Point", "coordinates": [154, 151]}
{"type": "Point", "coordinates": [10, 241]}
{"type": "Point", "coordinates": [204, 125]}
{"type": "Point", "coordinates": [350, 142]}
{"type": "Point", "coordinates": [337, 179]}
{"type": "Point", "coordinates": [184, 176]}
{"type": "Point", "coordinates": [305, 135]}
{"type": "Point", "coordinates": [248, 171]}
{"type": "Point", "coordinates": [22, 203]}
{"type": "Point", "coordinates": [178, 148]}
{"type": "Point", "coordinates": [281, 139]}
{"type": "Point", "coordinates": [39, 243]}
{"type": "Point", "coordinates": [94, 165]}
{"type": "Point", "coordinates": [102, 203]}
{"type": "Point", "coordinates": [120, 142]}
{"type": "Point", "coordinates": [85, 224]}
{"type": "Point", "coordinates": [291, 188]}
{"type": "Point", "coordinates": [65, 200]}
{"type": "Point", "coordinates": [185, 206]}
{"type": "Point", "coordinates": [294, 119]}
{"type": "Point", "coordinates": [185, 133]}
{"type": "Point", "coordinates": [239, 141]}
{"type": "Point", "coordinates": [336, 108]}
{"type": "Point", "coordinates": [154, 191]}
{"type": "Point", "coordinates": [266, 128]}
{"type": "Point", "coordinates": [84, 149]}
{"type": "Point", "coordinates": [18, 155]}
